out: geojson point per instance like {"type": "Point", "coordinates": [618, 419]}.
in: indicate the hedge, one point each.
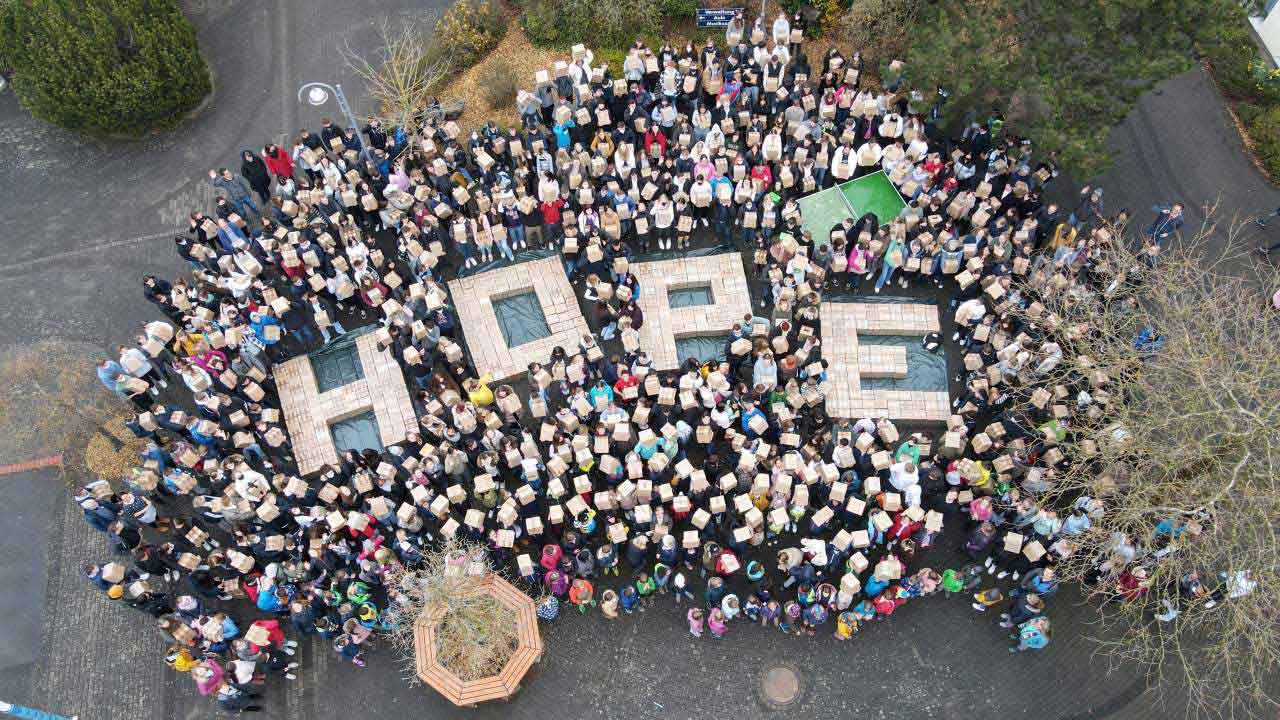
{"type": "Point", "coordinates": [103, 66]}
{"type": "Point", "coordinates": [1252, 88]}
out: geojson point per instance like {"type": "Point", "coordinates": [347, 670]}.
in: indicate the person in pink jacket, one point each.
{"type": "Point", "coordinates": [550, 559]}
{"type": "Point", "coordinates": [716, 623]}
{"type": "Point", "coordinates": [696, 622]}
{"type": "Point", "coordinates": [208, 676]}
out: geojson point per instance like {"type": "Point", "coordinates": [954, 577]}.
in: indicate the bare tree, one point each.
{"type": "Point", "coordinates": [410, 68]}
{"type": "Point", "coordinates": [1170, 378]}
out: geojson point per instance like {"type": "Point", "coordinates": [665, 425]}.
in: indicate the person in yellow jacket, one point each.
{"type": "Point", "coordinates": [187, 344]}
{"type": "Point", "coordinates": [478, 391]}
{"type": "Point", "coordinates": [179, 658]}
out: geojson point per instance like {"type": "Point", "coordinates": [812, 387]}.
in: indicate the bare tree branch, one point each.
{"type": "Point", "coordinates": [411, 67]}
{"type": "Point", "coordinates": [1176, 443]}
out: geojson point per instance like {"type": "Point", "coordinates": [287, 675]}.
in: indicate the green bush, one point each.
{"type": "Point", "coordinates": [1247, 112]}
{"type": "Point", "coordinates": [679, 9]}
{"type": "Point", "coordinates": [541, 23]}
{"type": "Point", "coordinates": [1264, 131]}
{"type": "Point", "coordinates": [469, 30]}
{"type": "Point", "coordinates": [1238, 68]}
{"type": "Point", "coordinates": [103, 66]}
{"type": "Point", "coordinates": [613, 57]}
{"type": "Point", "coordinates": [601, 24]}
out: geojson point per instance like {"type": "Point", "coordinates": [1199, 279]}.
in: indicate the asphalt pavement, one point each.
{"type": "Point", "coordinates": [84, 220]}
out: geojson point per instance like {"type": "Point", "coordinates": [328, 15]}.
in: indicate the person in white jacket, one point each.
{"type": "Point", "coordinates": [137, 364]}
{"type": "Point", "coordinates": [781, 30]}
{"type": "Point", "coordinates": [903, 475]}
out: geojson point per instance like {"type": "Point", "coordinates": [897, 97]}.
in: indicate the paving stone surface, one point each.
{"type": "Point", "coordinates": [473, 296]}
{"type": "Point", "coordinates": [849, 362]}
{"type": "Point", "coordinates": [308, 413]}
{"type": "Point", "coordinates": [663, 325]}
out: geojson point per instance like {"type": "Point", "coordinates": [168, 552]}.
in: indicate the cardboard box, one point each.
{"type": "Point", "coordinates": [871, 486]}
{"type": "Point", "coordinates": [1033, 550]}
{"type": "Point", "coordinates": [644, 514]}
{"type": "Point", "coordinates": [823, 516]}
{"type": "Point", "coordinates": [888, 569]}
{"type": "Point", "coordinates": [422, 496]}
{"type": "Point", "coordinates": [881, 521]}
{"type": "Point", "coordinates": [455, 494]}
{"type": "Point", "coordinates": [933, 521]}
{"type": "Point", "coordinates": [881, 460]}
{"type": "Point", "coordinates": [892, 501]}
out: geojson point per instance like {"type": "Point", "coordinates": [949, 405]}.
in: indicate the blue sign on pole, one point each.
{"type": "Point", "coordinates": [708, 17]}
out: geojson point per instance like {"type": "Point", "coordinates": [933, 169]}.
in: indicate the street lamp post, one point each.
{"type": "Point", "coordinates": [317, 93]}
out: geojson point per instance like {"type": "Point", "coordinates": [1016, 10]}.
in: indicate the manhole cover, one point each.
{"type": "Point", "coordinates": [780, 686]}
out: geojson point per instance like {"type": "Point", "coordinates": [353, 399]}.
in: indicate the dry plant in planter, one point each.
{"type": "Point", "coordinates": [477, 633]}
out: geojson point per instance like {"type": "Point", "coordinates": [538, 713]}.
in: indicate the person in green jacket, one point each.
{"type": "Point", "coordinates": [908, 449]}
{"type": "Point", "coordinates": [952, 582]}
{"type": "Point", "coordinates": [645, 586]}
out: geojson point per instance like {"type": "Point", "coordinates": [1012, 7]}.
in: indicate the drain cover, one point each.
{"type": "Point", "coordinates": [781, 685]}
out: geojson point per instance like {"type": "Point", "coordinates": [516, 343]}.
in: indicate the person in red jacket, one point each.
{"type": "Point", "coordinates": [654, 136]}
{"type": "Point", "coordinates": [902, 528]}
{"type": "Point", "coordinates": [762, 173]}
{"type": "Point", "coordinates": [1132, 584]}
{"type": "Point", "coordinates": [267, 635]}
{"type": "Point", "coordinates": [278, 161]}
{"type": "Point", "coordinates": [551, 216]}
{"type": "Point", "coordinates": [625, 380]}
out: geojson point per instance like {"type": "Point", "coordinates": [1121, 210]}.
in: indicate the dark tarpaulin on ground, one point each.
{"type": "Point", "coordinates": [926, 370]}
{"type": "Point", "coordinates": [358, 432]}
{"type": "Point", "coordinates": [338, 363]}
{"type": "Point", "coordinates": [521, 319]}
{"type": "Point", "coordinates": [702, 347]}
{"type": "Point", "coordinates": [692, 296]}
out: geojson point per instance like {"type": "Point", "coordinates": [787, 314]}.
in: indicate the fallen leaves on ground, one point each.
{"type": "Point", "coordinates": [103, 458]}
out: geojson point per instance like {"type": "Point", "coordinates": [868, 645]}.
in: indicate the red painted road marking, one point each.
{"type": "Point", "coordinates": [31, 465]}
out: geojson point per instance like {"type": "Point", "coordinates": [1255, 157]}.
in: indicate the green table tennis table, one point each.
{"type": "Point", "coordinates": [872, 193]}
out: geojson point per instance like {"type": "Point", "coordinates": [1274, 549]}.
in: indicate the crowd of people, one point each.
{"type": "Point", "coordinates": [596, 479]}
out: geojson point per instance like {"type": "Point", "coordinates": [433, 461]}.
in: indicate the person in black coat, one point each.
{"type": "Point", "coordinates": [255, 173]}
{"type": "Point", "coordinates": [296, 321]}
{"type": "Point", "coordinates": [377, 136]}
